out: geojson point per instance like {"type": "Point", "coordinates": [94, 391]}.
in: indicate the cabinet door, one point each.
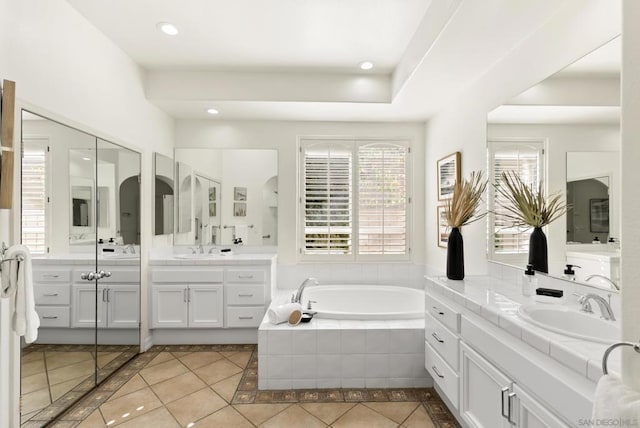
{"type": "Point", "coordinates": [123, 306]}
{"type": "Point", "coordinates": [529, 413]}
{"type": "Point", "coordinates": [484, 403]}
{"type": "Point", "coordinates": [206, 306]}
{"type": "Point", "coordinates": [168, 306]}
{"type": "Point", "coordinates": [85, 308]}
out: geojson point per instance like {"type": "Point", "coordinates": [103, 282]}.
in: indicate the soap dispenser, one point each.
{"type": "Point", "coordinates": [529, 281]}
{"type": "Point", "coordinates": [569, 273]}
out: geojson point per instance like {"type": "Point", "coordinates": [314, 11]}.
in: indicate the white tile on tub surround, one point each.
{"type": "Point", "coordinates": [303, 384]}
{"type": "Point", "coordinates": [401, 365]}
{"type": "Point", "coordinates": [346, 273]}
{"type": "Point", "coordinates": [353, 341]}
{"type": "Point", "coordinates": [304, 342]}
{"type": "Point", "coordinates": [263, 368]}
{"type": "Point", "coordinates": [262, 342]}
{"type": "Point", "coordinates": [370, 382]}
{"type": "Point", "coordinates": [401, 382]}
{"type": "Point", "coordinates": [386, 273]}
{"type": "Point", "coordinates": [279, 342]}
{"type": "Point", "coordinates": [423, 382]}
{"type": "Point", "coordinates": [279, 384]}
{"type": "Point", "coordinates": [328, 366]}
{"type": "Point", "coordinates": [406, 341]}
{"type": "Point", "coordinates": [353, 366]}
{"type": "Point", "coordinates": [328, 341]}
{"type": "Point", "coordinates": [279, 367]}
{"type": "Point", "coordinates": [328, 383]}
{"type": "Point", "coordinates": [377, 341]}
{"type": "Point", "coordinates": [369, 273]}
{"type": "Point", "coordinates": [377, 366]}
{"type": "Point", "coordinates": [303, 366]}
{"type": "Point", "coordinates": [353, 383]}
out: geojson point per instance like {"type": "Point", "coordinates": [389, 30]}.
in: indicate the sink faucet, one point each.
{"type": "Point", "coordinates": [298, 296]}
{"type": "Point", "coordinates": [605, 307]}
{"type": "Point", "coordinates": [609, 281]}
{"type": "Point", "coordinates": [197, 250]}
{"type": "Point", "coordinates": [129, 249]}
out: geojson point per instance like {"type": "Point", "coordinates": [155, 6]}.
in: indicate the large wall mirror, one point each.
{"type": "Point", "coordinates": [164, 175]}
{"type": "Point", "coordinates": [232, 197]}
{"type": "Point", "coordinates": [80, 213]}
{"type": "Point", "coordinates": [565, 131]}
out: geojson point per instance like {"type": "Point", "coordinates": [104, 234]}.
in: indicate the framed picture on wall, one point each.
{"type": "Point", "coordinates": [239, 193]}
{"type": "Point", "coordinates": [239, 209]}
{"type": "Point", "coordinates": [599, 215]}
{"type": "Point", "coordinates": [448, 173]}
{"type": "Point", "coordinates": [443, 228]}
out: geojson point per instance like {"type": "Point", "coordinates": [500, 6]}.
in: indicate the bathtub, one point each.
{"type": "Point", "coordinates": [365, 302]}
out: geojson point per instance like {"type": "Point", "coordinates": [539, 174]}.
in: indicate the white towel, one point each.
{"type": "Point", "coordinates": [281, 313]}
{"type": "Point", "coordinates": [615, 400]}
{"type": "Point", "coordinates": [17, 282]}
{"type": "Point", "coordinates": [242, 232]}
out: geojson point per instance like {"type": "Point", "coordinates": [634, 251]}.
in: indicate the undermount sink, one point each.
{"type": "Point", "coordinates": [195, 256]}
{"type": "Point", "coordinates": [120, 256]}
{"type": "Point", "coordinates": [570, 322]}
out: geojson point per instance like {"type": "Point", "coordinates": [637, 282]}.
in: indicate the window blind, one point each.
{"type": "Point", "coordinates": [34, 198]}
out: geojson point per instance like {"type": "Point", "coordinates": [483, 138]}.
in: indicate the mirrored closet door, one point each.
{"type": "Point", "coordinates": [81, 222]}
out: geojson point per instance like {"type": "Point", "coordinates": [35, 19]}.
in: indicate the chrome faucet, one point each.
{"type": "Point", "coordinates": [129, 249]}
{"type": "Point", "coordinates": [197, 250]}
{"type": "Point", "coordinates": [609, 281]}
{"type": "Point", "coordinates": [298, 296]}
{"type": "Point", "coordinates": [605, 307]}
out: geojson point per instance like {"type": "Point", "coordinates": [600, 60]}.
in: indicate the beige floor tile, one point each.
{"type": "Point", "coordinates": [56, 360]}
{"type": "Point", "coordinates": [25, 417]}
{"type": "Point", "coordinates": [163, 371]}
{"type": "Point", "coordinates": [227, 388]}
{"type": "Point", "coordinates": [180, 354]}
{"type": "Point", "coordinates": [294, 416]}
{"type": "Point", "coordinates": [105, 358]}
{"type": "Point", "coordinates": [178, 387]}
{"type": "Point", "coordinates": [31, 368]}
{"type": "Point", "coordinates": [363, 417]}
{"type": "Point", "coordinates": [34, 400]}
{"type": "Point", "coordinates": [196, 406]}
{"type": "Point", "coordinates": [93, 421]}
{"type": "Point", "coordinates": [227, 417]}
{"type": "Point", "coordinates": [159, 418]}
{"type": "Point", "coordinates": [160, 358]}
{"type": "Point", "coordinates": [215, 372]}
{"type": "Point", "coordinates": [240, 359]}
{"type": "Point", "coordinates": [58, 390]}
{"type": "Point", "coordinates": [33, 383]}
{"type": "Point", "coordinates": [259, 413]}
{"type": "Point", "coordinates": [131, 405]}
{"type": "Point", "coordinates": [73, 371]}
{"type": "Point", "coordinates": [397, 411]}
{"type": "Point", "coordinates": [32, 356]}
{"type": "Point", "coordinates": [196, 360]}
{"type": "Point", "coordinates": [419, 419]}
{"type": "Point", "coordinates": [327, 412]}
{"type": "Point", "coordinates": [134, 384]}
{"type": "Point", "coordinates": [227, 354]}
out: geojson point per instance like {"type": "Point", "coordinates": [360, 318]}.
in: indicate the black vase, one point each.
{"type": "Point", "coordinates": [538, 251]}
{"type": "Point", "coordinates": [455, 255]}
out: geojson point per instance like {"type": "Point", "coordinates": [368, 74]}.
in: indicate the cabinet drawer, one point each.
{"type": "Point", "coordinates": [52, 294]}
{"type": "Point", "coordinates": [245, 294]}
{"type": "Point", "coordinates": [443, 313]}
{"type": "Point", "coordinates": [248, 275]}
{"type": "Point", "coordinates": [442, 340]}
{"type": "Point", "coordinates": [442, 374]}
{"type": "Point", "coordinates": [188, 274]}
{"type": "Point", "coordinates": [239, 316]}
{"type": "Point", "coordinates": [51, 275]}
{"type": "Point", "coordinates": [53, 316]}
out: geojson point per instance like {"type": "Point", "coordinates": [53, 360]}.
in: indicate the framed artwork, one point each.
{"type": "Point", "coordinates": [239, 209]}
{"type": "Point", "coordinates": [443, 228]}
{"type": "Point", "coordinates": [212, 209]}
{"type": "Point", "coordinates": [448, 174]}
{"type": "Point", "coordinates": [239, 193]}
{"type": "Point", "coordinates": [599, 215]}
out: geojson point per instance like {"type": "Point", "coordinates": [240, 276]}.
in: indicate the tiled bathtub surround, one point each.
{"type": "Point", "coordinates": [342, 354]}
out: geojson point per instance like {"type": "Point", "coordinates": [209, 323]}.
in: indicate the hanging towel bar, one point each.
{"type": "Point", "coordinates": [605, 357]}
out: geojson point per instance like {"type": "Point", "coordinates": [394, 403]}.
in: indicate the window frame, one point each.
{"type": "Point", "coordinates": [505, 143]}
{"type": "Point", "coordinates": [354, 143]}
{"type": "Point", "coordinates": [43, 142]}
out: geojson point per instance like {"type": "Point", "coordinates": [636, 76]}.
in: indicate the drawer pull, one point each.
{"type": "Point", "coordinates": [502, 393]}
{"type": "Point", "coordinates": [437, 372]}
{"type": "Point", "coordinates": [50, 276]}
{"type": "Point", "coordinates": [50, 294]}
{"type": "Point", "coordinates": [50, 318]}
{"type": "Point", "coordinates": [438, 311]}
{"type": "Point", "coordinates": [245, 295]}
{"type": "Point", "coordinates": [245, 318]}
{"type": "Point", "coordinates": [513, 420]}
{"type": "Point", "coordinates": [435, 336]}
{"type": "Point", "coordinates": [245, 276]}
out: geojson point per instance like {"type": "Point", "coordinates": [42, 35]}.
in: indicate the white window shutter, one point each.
{"type": "Point", "coordinates": [34, 198]}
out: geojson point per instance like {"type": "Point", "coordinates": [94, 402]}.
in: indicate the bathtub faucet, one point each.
{"type": "Point", "coordinates": [298, 296]}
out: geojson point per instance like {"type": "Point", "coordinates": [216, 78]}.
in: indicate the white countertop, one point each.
{"type": "Point", "coordinates": [235, 259]}
{"type": "Point", "coordinates": [498, 302]}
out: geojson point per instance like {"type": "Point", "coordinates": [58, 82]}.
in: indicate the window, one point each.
{"type": "Point", "coordinates": [526, 159]}
{"type": "Point", "coordinates": [354, 199]}
{"type": "Point", "coordinates": [34, 195]}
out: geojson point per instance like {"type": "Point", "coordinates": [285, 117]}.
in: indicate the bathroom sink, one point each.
{"type": "Point", "coordinates": [120, 256]}
{"type": "Point", "coordinates": [195, 256]}
{"type": "Point", "coordinates": [571, 322]}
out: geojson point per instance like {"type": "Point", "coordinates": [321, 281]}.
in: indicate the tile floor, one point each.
{"type": "Point", "coordinates": [216, 386]}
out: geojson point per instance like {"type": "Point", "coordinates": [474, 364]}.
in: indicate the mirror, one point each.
{"type": "Point", "coordinates": [566, 131]}
{"type": "Point", "coordinates": [163, 189]}
{"type": "Point", "coordinates": [184, 197]}
{"type": "Point", "coordinates": [234, 197]}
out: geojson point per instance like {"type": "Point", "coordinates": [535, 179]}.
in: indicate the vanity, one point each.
{"type": "Point", "coordinates": [495, 369]}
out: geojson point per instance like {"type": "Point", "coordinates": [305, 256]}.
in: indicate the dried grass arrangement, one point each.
{"type": "Point", "coordinates": [526, 205]}
{"type": "Point", "coordinates": [462, 208]}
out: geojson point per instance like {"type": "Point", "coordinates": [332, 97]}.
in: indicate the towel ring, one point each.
{"type": "Point", "coordinates": [605, 357]}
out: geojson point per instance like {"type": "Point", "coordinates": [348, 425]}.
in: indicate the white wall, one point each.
{"type": "Point", "coordinates": [283, 136]}
{"type": "Point", "coordinates": [66, 68]}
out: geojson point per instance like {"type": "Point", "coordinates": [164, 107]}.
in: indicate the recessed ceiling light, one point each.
{"type": "Point", "coordinates": [167, 28]}
{"type": "Point", "coordinates": [366, 65]}
{"type": "Point", "coordinates": [212, 111]}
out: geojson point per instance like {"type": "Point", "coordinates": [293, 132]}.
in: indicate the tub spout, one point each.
{"type": "Point", "coordinates": [298, 297]}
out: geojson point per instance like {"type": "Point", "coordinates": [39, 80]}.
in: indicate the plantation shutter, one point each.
{"type": "Point", "coordinates": [327, 197]}
{"type": "Point", "coordinates": [34, 197]}
{"type": "Point", "coordinates": [382, 199]}
{"type": "Point", "coordinates": [525, 159]}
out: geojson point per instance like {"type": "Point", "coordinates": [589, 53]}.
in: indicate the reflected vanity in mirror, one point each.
{"type": "Point", "coordinates": [164, 174]}
{"type": "Point", "coordinates": [234, 197]}
{"type": "Point", "coordinates": [565, 132]}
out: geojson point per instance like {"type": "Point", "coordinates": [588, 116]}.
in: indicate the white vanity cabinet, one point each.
{"type": "Point", "coordinates": [245, 290]}
{"type": "Point", "coordinates": [52, 294]}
